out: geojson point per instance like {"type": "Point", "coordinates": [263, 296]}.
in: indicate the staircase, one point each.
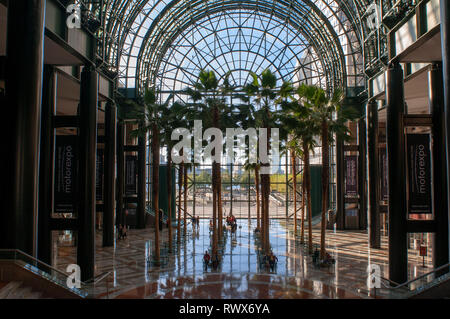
{"type": "Point", "coordinates": [24, 277]}
{"type": "Point", "coordinates": [17, 290]}
{"type": "Point", "coordinates": [427, 286]}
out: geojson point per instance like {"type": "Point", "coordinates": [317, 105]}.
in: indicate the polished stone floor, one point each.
{"type": "Point", "coordinates": [182, 274]}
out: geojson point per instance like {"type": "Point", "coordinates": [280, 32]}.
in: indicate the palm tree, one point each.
{"type": "Point", "coordinates": [151, 119]}
{"type": "Point", "coordinates": [255, 168]}
{"type": "Point", "coordinates": [173, 117]}
{"type": "Point", "coordinates": [263, 91]}
{"type": "Point", "coordinates": [180, 185]}
{"type": "Point", "coordinates": [288, 120]}
{"type": "Point", "coordinates": [295, 117]}
{"type": "Point", "coordinates": [330, 119]}
{"type": "Point", "coordinates": [209, 106]}
{"type": "Point", "coordinates": [247, 119]}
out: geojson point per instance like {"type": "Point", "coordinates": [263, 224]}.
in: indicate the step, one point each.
{"type": "Point", "coordinates": [19, 293]}
{"type": "Point", "coordinates": [9, 289]}
{"type": "Point", "coordinates": [16, 290]}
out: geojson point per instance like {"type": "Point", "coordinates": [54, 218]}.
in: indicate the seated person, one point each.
{"type": "Point", "coordinates": [316, 256]}
{"type": "Point", "coordinates": [272, 261]}
{"type": "Point", "coordinates": [266, 262]}
{"type": "Point", "coordinates": [160, 216]}
{"type": "Point", "coordinates": [120, 231]}
{"type": "Point", "coordinates": [215, 261]}
{"type": "Point", "coordinates": [328, 259]}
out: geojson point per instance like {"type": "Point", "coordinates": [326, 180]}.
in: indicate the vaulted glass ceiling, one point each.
{"type": "Point", "coordinates": [165, 43]}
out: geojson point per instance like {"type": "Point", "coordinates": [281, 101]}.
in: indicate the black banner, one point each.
{"type": "Point", "coordinates": [351, 175]}
{"type": "Point", "coordinates": [66, 157]}
{"type": "Point", "coordinates": [383, 163]}
{"type": "Point", "coordinates": [419, 173]}
{"type": "Point", "coordinates": [99, 175]}
{"type": "Point", "coordinates": [130, 175]}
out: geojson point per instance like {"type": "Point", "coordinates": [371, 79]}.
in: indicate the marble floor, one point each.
{"type": "Point", "coordinates": [182, 274]}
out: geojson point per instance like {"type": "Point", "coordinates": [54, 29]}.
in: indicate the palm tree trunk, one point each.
{"type": "Point", "coordinates": [265, 179]}
{"type": "Point", "coordinates": [302, 231]}
{"type": "Point", "coordinates": [307, 177]}
{"type": "Point", "coordinates": [325, 173]}
{"type": "Point", "coordinates": [219, 203]}
{"type": "Point", "coordinates": [258, 221]}
{"type": "Point", "coordinates": [215, 206]}
{"type": "Point", "coordinates": [169, 197]}
{"type": "Point", "coordinates": [216, 185]}
{"type": "Point", "coordinates": [180, 183]}
{"type": "Point", "coordinates": [263, 220]}
{"type": "Point", "coordinates": [294, 184]}
{"type": "Point", "coordinates": [265, 195]}
{"type": "Point", "coordinates": [185, 198]}
{"type": "Point", "coordinates": [305, 151]}
{"type": "Point", "coordinates": [155, 188]}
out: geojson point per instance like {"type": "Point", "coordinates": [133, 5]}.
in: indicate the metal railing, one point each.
{"type": "Point", "coordinates": [394, 290]}
{"type": "Point", "coordinates": [88, 288]}
{"type": "Point", "coordinates": [91, 284]}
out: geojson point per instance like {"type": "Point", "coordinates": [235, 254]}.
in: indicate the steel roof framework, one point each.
{"type": "Point", "coordinates": [140, 33]}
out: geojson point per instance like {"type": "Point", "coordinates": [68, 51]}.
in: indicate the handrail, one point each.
{"type": "Point", "coordinates": [417, 278]}
{"type": "Point", "coordinates": [95, 280]}
{"type": "Point", "coordinates": [34, 263]}
{"type": "Point", "coordinates": [35, 259]}
{"type": "Point", "coordinates": [391, 281]}
{"type": "Point", "coordinates": [99, 278]}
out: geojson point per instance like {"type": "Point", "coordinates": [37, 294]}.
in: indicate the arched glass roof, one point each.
{"type": "Point", "coordinates": [164, 43]}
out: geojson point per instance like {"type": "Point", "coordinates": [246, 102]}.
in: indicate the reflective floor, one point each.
{"type": "Point", "coordinates": [182, 273]}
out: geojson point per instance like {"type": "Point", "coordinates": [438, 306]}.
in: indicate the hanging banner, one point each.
{"type": "Point", "coordinates": [351, 176]}
{"type": "Point", "coordinates": [130, 175]}
{"type": "Point", "coordinates": [383, 163]}
{"type": "Point", "coordinates": [419, 173]}
{"type": "Point", "coordinates": [99, 175]}
{"type": "Point", "coordinates": [66, 158]}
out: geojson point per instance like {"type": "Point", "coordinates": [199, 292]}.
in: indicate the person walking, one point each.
{"type": "Point", "coordinates": [206, 259]}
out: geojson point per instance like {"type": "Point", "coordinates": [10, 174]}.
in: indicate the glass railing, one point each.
{"type": "Point", "coordinates": [392, 290]}
{"type": "Point", "coordinates": [96, 287]}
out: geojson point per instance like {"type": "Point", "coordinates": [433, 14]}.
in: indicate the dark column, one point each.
{"type": "Point", "coordinates": [47, 163]}
{"type": "Point", "coordinates": [120, 218]}
{"type": "Point", "coordinates": [140, 218]}
{"type": "Point", "coordinates": [87, 172]}
{"type": "Point", "coordinates": [373, 174]}
{"type": "Point", "coordinates": [362, 174]}
{"type": "Point", "coordinates": [441, 241]}
{"type": "Point", "coordinates": [340, 200]}
{"type": "Point", "coordinates": [110, 162]}
{"type": "Point", "coordinates": [24, 67]}
{"type": "Point", "coordinates": [445, 47]}
{"type": "Point", "coordinates": [398, 257]}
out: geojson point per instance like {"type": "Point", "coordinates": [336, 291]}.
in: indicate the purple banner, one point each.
{"type": "Point", "coordinates": [384, 174]}
{"type": "Point", "coordinates": [419, 173]}
{"type": "Point", "coordinates": [99, 175]}
{"type": "Point", "coordinates": [351, 175]}
{"type": "Point", "coordinates": [130, 175]}
{"type": "Point", "coordinates": [66, 158]}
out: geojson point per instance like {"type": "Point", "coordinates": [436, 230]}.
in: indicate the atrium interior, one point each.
{"type": "Point", "coordinates": [225, 149]}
